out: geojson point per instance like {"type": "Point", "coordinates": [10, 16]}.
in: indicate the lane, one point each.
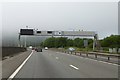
{"type": "Point", "coordinates": [102, 58]}
{"type": "Point", "coordinates": [113, 60]}
{"type": "Point", "coordinates": [19, 68]}
{"type": "Point", "coordinates": [11, 64]}
{"type": "Point", "coordinates": [51, 64]}
{"type": "Point", "coordinates": [42, 65]}
{"type": "Point", "coordinates": [94, 68]}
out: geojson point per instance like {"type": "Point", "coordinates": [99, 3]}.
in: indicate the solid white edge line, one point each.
{"type": "Point", "coordinates": [18, 69]}
{"type": "Point", "coordinates": [74, 67]}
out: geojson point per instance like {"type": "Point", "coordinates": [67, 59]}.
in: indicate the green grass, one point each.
{"type": "Point", "coordinates": [105, 50]}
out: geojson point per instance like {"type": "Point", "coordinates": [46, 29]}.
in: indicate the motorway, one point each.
{"type": "Point", "coordinates": [53, 64]}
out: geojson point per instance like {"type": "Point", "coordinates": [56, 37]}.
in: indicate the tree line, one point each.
{"type": "Point", "coordinates": [112, 41]}
{"type": "Point", "coordinates": [56, 42]}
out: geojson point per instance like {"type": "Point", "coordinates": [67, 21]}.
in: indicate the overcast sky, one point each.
{"type": "Point", "coordinates": [101, 17]}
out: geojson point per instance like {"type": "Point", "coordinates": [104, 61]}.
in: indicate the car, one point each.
{"type": "Point", "coordinates": [46, 48]}
{"type": "Point", "coordinates": [33, 48]}
{"type": "Point", "coordinates": [71, 49]}
{"type": "Point", "coordinates": [38, 49]}
{"type": "Point", "coordinates": [30, 47]}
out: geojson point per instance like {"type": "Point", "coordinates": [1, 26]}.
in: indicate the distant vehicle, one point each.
{"type": "Point", "coordinates": [46, 48]}
{"type": "Point", "coordinates": [38, 49]}
{"type": "Point", "coordinates": [71, 49]}
{"type": "Point", "coordinates": [30, 47]}
{"type": "Point", "coordinates": [33, 48]}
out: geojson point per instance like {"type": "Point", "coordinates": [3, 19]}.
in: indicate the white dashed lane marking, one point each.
{"type": "Point", "coordinates": [74, 67]}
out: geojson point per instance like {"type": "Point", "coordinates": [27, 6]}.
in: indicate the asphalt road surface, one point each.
{"type": "Point", "coordinates": [51, 64]}
{"type": "Point", "coordinates": [10, 64]}
{"type": "Point", "coordinates": [113, 60]}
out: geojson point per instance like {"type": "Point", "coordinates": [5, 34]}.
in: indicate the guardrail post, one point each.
{"type": "Point", "coordinates": [75, 53]}
{"type": "Point", "coordinates": [87, 54]}
{"type": "Point", "coordinates": [95, 55]}
{"type": "Point", "coordinates": [68, 52]}
{"type": "Point", "coordinates": [108, 58]}
{"type": "Point", "coordinates": [80, 54]}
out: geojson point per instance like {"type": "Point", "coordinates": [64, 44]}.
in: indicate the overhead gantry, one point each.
{"type": "Point", "coordinates": [33, 32]}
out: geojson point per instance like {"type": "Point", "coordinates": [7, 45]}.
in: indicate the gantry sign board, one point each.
{"type": "Point", "coordinates": [57, 33]}
{"type": "Point", "coordinates": [66, 33]}
{"type": "Point", "coordinates": [26, 32]}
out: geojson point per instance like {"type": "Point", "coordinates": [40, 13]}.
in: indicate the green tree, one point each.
{"type": "Point", "coordinates": [61, 42]}
{"type": "Point", "coordinates": [50, 42]}
{"type": "Point", "coordinates": [42, 44]}
{"type": "Point", "coordinates": [90, 43]}
{"type": "Point", "coordinates": [112, 41]}
{"type": "Point", "coordinates": [69, 42]}
{"type": "Point", "coordinates": [78, 42]}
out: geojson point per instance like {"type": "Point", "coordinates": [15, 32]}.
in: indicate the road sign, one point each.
{"type": "Point", "coordinates": [26, 32]}
{"type": "Point", "coordinates": [85, 43]}
{"type": "Point", "coordinates": [110, 50]}
{"type": "Point", "coordinates": [38, 32]}
{"type": "Point", "coordinates": [49, 32]}
{"type": "Point", "coordinates": [58, 33]}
